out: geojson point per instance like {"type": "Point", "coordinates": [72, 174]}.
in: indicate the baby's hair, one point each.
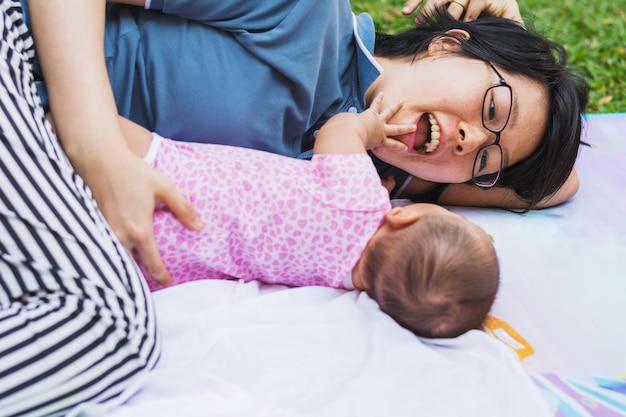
{"type": "Point", "coordinates": [434, 277]}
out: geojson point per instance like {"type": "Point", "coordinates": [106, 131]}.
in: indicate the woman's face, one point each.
{"type": "Point", "coordinates": [445, 93]}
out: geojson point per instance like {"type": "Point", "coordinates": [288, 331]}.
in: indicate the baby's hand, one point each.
{"type": "Point", "coordinates": [384, 137]}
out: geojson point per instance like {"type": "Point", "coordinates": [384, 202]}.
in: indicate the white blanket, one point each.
{"type": "Point", "coordinates": [235, 349]}
{"type": "Point", "coordinates": [564, 269]}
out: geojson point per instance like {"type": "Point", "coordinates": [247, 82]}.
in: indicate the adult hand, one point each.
{"type": "Point", "coordinates": [86, 121]}
{"type": "Point", "coordinates": [127, 191]}
{"type": "Point", "coordinates": [469, 9]}
{"type": "Point", "coordinates": [128, 206]}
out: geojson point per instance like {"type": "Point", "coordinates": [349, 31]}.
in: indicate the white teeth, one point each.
{"type": "Point", "coordinates": [434, 144]}
{"type": "Point", "coordinates": [435, 134]}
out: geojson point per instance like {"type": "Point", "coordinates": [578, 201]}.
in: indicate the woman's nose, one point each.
{"type": "Point", "coordinates": [470, 139]}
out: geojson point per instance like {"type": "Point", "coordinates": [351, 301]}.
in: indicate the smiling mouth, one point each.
{"type": "Point", "coordinates": [428, 134]}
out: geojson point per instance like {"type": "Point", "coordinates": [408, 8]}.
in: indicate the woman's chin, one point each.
{"type": "Point", "coordinates": [419, 166]}
{"type": "Point", "coordinates": [405, 160]}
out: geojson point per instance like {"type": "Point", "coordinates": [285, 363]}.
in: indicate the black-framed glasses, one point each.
{"type": "Point", "coordinates": [496, 110]}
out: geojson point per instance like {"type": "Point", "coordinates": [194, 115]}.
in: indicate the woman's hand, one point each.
{"type": "Point", "coordinates": [469, 9]}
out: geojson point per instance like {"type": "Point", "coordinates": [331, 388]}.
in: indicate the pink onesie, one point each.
{"type": "Point", "coordinates": [268, 217]}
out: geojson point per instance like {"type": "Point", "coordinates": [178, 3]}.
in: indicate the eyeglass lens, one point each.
{"type": "Point", "coordinates": [496, 111]}
{"type": "Point", "coordinates": [487, 166]}
{"type": "Point", "coordinates": [497, 107]}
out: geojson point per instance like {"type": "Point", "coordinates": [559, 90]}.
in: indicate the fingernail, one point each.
{"type": "Point", "coordinates": [157, 275]}
{"type": "Point", "coordinates": [197, 223]}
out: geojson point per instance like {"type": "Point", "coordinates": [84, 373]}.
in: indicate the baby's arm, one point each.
{"type": "Point", "coordinates": [348, 133]}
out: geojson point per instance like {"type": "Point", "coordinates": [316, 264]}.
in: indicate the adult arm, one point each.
{"type": "Point", "coordinates": [470, 195]}
{"type": "Point", "coordinates": [472, 10]}
{"type": "Point", "coordinates": [69, 39]}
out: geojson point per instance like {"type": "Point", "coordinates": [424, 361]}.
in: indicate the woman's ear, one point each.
{"type": "Point", "coordinates": [448, 42]}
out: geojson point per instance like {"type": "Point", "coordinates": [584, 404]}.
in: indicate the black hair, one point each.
{"type": "Point", "coordinates": [520, 51]}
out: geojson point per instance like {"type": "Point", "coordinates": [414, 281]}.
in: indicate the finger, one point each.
{"type": "Point", "coordinates": [151, 259]}
{"type": "Point", "coordinates": [457, 7]}
{"type": "Point", "coordinates": [473, 10]}
{"type": "Point", "coordinates": [394, 144]}
{"type": "Point", "coordinates": [377, 103]}
{"type": "Point", "coordinates": [429, 7]}
{"type": "Point", "coordinates": [397, 130]}
{"type": "Point", "coordinates": [180, 207]}
{"type": "Point", "coordinates": [410, 6]}
{"type": "Point", "coordinates": [389, 112]}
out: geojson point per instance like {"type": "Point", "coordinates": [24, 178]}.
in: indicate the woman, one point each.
{"type": "Point", "coordinates": [281, 69]}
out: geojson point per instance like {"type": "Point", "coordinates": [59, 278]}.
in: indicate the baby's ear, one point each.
{"type": "Point", "coordinates": [448, 42]}
{"type": "Point", "coordinates": [400, 217]}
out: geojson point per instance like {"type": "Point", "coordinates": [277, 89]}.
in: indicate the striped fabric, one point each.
{"type": "Point", "coordinates": [76, 319]}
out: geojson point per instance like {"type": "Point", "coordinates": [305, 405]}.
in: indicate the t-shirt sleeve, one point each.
{"type": "Point", "coordinates": [229, 15]}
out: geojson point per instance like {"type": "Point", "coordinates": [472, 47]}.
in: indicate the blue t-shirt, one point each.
{"type": "Point", "coordinates": [263, 74]}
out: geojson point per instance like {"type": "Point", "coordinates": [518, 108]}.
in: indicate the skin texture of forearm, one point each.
{"type": "Point", "coordinates": [471, 196]}
{"type": "Point", "coordinates": [69, 41]}
{"type": "Point", "coordinates": [567, 191]}
{"type": "Point", "coordinates": [137, 137]}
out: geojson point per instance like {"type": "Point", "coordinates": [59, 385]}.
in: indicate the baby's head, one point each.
{"type": "Point", "coordinates": [433, 271]}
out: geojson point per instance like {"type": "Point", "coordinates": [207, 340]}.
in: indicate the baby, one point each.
{"type": "Point", "coordinates": [327, 221]}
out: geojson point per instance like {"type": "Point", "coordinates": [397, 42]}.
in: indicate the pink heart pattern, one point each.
{"type": "Point", "coordinates": [268, 217]}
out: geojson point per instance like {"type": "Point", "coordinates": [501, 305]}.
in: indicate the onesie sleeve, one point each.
{"type": "Point", "coordinates": [346, 182]}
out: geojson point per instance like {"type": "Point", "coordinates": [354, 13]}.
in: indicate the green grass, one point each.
{"type": "Point", "coordinates": [593, 33]}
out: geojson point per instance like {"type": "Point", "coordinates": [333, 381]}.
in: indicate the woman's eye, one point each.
{"type": "Point", "coordinates": [483, 160]}
{"type": "Point", "coordinates": [492, 110]}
